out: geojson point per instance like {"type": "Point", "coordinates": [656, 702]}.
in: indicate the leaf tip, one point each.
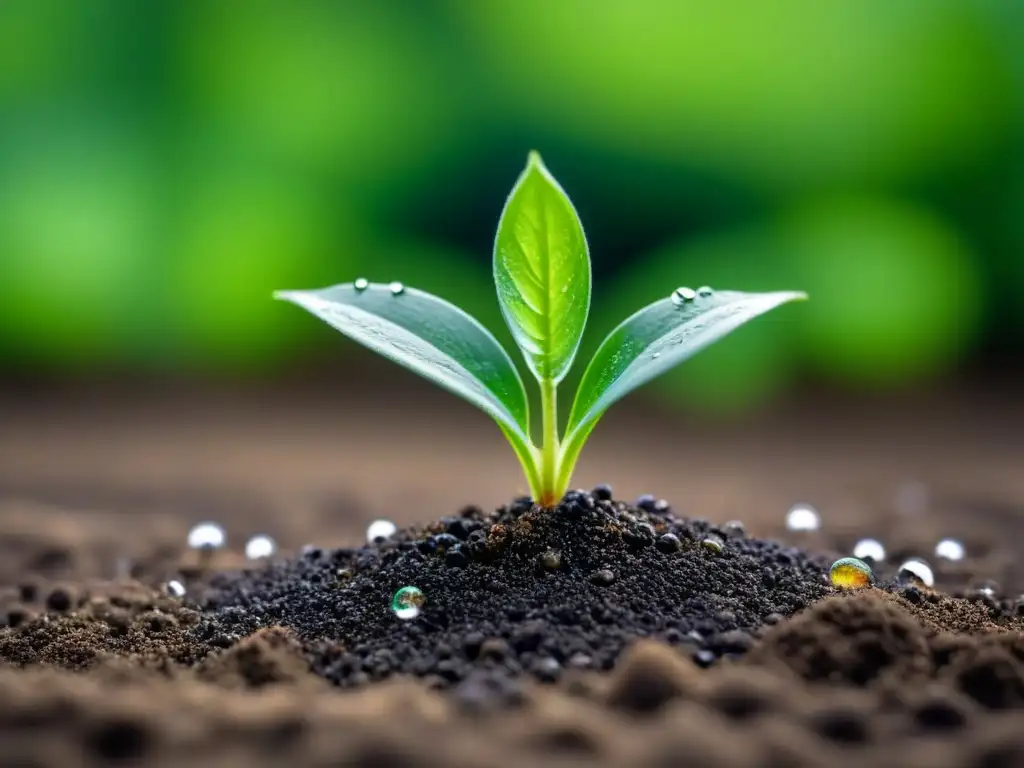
{"type": "Point", "coordinates": [534, 161]}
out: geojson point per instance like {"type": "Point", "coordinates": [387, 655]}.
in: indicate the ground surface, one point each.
{"type": "Point", "coordinates": [97, 492]}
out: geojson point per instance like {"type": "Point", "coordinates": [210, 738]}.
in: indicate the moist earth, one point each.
{"type": "Point", "coordinates": [601, 632]}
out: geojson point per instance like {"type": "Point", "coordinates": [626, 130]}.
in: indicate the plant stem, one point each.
{"type": "Point", "coordinates": [549, 444]}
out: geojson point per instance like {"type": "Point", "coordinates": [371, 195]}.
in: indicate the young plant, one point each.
{"type": "Point", "coordinates": [542, 273]}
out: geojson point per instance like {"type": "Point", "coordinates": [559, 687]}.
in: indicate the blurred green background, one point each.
{"type": "Point", "coordinates": [165, 166]}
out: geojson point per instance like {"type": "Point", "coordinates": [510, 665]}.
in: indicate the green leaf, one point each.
{"type": "Point", "coordinates": [542, 271]}
{"type": "Point", "coordinates": [655, 339]}
{"type": "Point", "coordinates": [435, 339]}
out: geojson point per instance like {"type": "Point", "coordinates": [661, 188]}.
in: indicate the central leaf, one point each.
{"type": "Point", "coordinates": [542, 271]}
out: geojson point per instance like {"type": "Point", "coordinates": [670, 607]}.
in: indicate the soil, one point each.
{"type": "Point", "coordinates": [605, 632]}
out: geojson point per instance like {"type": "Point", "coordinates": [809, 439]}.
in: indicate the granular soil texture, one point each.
{"type": "Point", "coordinates": [599, 634]}
{"type": "Point", "coordinates": [525, 590]}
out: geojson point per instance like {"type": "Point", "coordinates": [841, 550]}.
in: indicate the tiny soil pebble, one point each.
{"type": "Point", "coordinates": [580, 580]}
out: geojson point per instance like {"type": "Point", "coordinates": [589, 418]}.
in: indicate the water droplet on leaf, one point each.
{"type": "Point", "coordinates": [407, 602]}
{"type": "Point", "coordinates": [850, 573]}
{"type": "Point", "coordinates": [380, 529]}
{"type": "Point", "coordinates": [259, 547]}
{"type": "Point", "coordinates": [396, 288]}
{"type": "Point", "coordinates": [361, 284]}
{"type": "Point", "coordinates": [682, 295]}
{"type": "Point", "coordinates": [705, 291]}
{"type": "Point", "coordinates": [869, 549]}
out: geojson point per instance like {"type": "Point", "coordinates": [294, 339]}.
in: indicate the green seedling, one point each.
{"type": "Point", "coordinates": [542, 273]}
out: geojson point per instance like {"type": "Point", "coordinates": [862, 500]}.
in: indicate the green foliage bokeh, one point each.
{"type": "Point", "coordinates": [164, 167]}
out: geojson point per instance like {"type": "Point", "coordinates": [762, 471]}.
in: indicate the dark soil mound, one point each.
{"type": "Point", "coordinates": [523, 590]}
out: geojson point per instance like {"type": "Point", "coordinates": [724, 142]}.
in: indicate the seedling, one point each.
{"type": "Point", "coordinates": [542, 273]}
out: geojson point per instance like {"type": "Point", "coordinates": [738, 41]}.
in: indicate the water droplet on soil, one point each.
{"type": "Point", "coordinates": [712, 544]}
{"type": "Point", "coordinates": [174, 588]}
{"type": "Point", "coordinates": [869, 549]}
{"type": "Point", "coordinates": [206, 536]}
{"type": "Point", "coordinates": [850, 573]}
{"type": "Point", "coordinates": [361, 284]}
{"type": "Point", "coordinates": [551, 559]}
{"type": "Point", "coordinates": [396, 288]}
{"type": "Point", "coordinates": [950, 549]}
{"type": "Point", "coordinates": [682, 295]}
{"type": "Point", "coordinates": [407, 602]}
{"type": "Point", "coordinates": [259, 547]}
{"type": "Point", "coordinates": [985, 588]}
{"type": "Point", "coordinates": [803, 517]}
{"type": "Point", "coordinates": [380, 529]}
{"type": "Point", "coordinates": [915, 570]}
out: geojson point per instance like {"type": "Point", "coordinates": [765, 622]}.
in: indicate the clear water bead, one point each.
{"type": "Point", "coordinates": [712, 543]}
{"type": "Point", "coordinates": [705, 291]}
{"type": "Point", "coordinates": [803, 517]}
{"type": "Point", "coordinates": [869, 549]}
{"type": "Point", "coordinates": [396, 288]}
{"type": "Point", "coordinates": [361, 284]}
{"type": "Point", "coordinates": [206, 536]}
{"type": "Point", "coordinates": [682, 295]}
{"type": "Point", "coordinates": [380, 529]}
{"type": "Point", "coordinates": [950, 549]}
{"type": "Point", "coordinates": [407, 602]}
{"type": "Point", "coordinates": [916, 570]}
{"type": "Point", "coordinates": [259, 547]}
{"type": "Point", "coordinates": [174, 588]}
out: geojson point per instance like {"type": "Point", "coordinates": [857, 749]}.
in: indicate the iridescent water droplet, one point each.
{"type": "Point", "coordinates": [380, 530]}
{"type": "Point", "coordinates": [206, 536]}
{"type": "Point", "coordinates": [407, 602]}
{"type": "Point", "coordinates": [396, 288]}
{"type": "Point", "coordinates": [850, 573]}
{"type": "Point", "coordinates": [260, 546]}
{"type": "Point", "coordinates": [916, 570]}
{"type": "Point", "coordinates": [682, 295]}
{"type": "Point", "coordinates": [361, 284]}
{"type": "Point", "coordinates": [803, 517]}
{"type": "Point", "coordinates": [712, 543]}
{"type": "Point", "coordinates": [950, 549]}
{"type": "Point", "coordinates": [705, 291]}
{"type": "Point", "coordinates": [869, 549]}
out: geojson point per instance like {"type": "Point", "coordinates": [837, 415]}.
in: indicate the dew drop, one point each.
{"type": "Point", "coordinates": [206, 536]}
{"type": "Point", "coordinates": [174, 588]}
{"type": "Point", "coordinates": [712, 544]}
{"type": "Point", "coordinates": [361, 284]}
{"type": "Point", "coordinates": [656, 355]}
{"type": "Point", "coordinates": [260, 546]}
{"type": "Point", "coordinates": [407, 603]}
{"type": "Point", "coordinates": [916, 570]}
{"type": "Point", "coordinates": [950, 549]}
{"type": "Point", "coordinates": [869, 549]}
{"type": "Point", "coordinates": [682, 295]}
{"type": "Point", "coordinates": [704, 291]}
{"type": "Point", "coordinates": [396, 288]}
{"type": "Point", "coordinates": [380, 530]}
{"type": "Point", "coordinates": [850, 573]}
{"type": "Point", "coordinates": [803, 517]}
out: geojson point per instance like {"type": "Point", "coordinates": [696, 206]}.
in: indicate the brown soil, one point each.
{"type": "Point", "coordinates": [98, 666]}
